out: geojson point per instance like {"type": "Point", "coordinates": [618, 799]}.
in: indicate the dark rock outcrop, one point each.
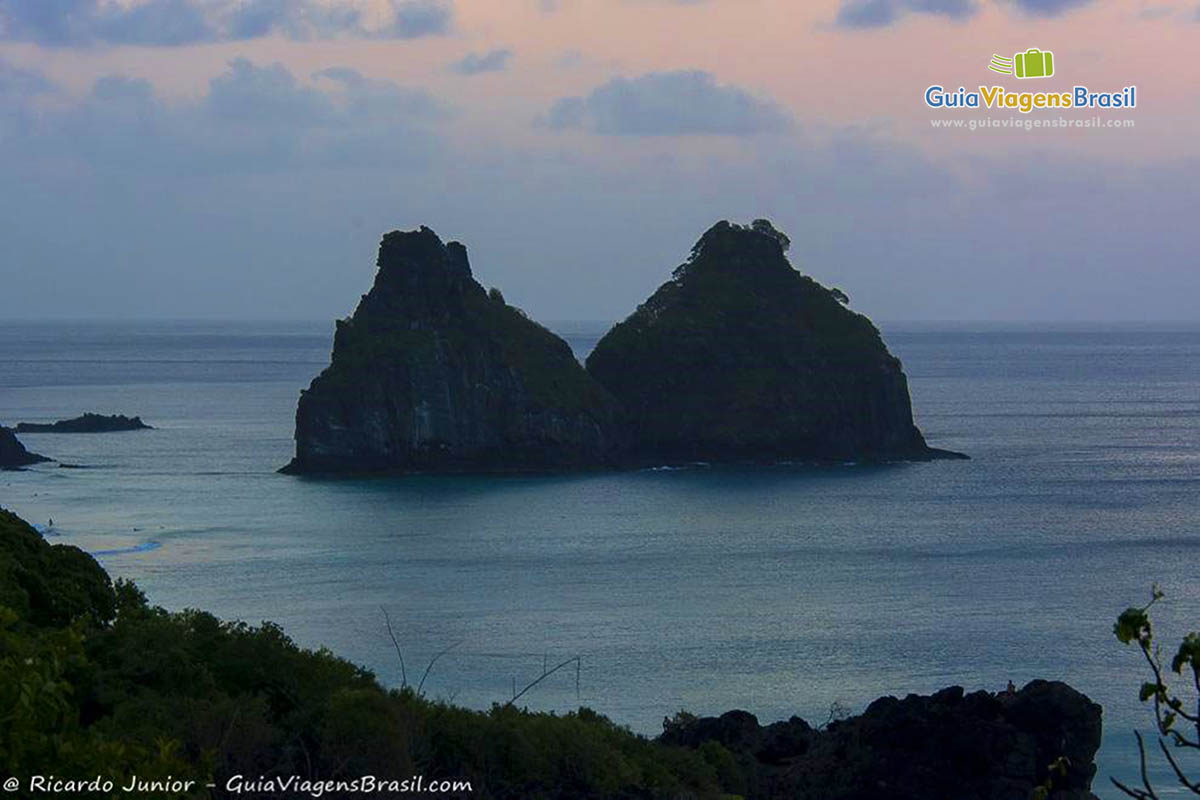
{"type": "Point", "coordinates": [741, 358]}
{"type": "Point", "coordinates": [87, 423]}
{"type": "Point", "coordinates": [433, 374]}
{"type": "Point", "coordinates": [13, 454]}
{"type": "Point", "coordinates": [948, 746]}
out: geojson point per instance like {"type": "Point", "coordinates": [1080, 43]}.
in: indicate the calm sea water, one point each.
{"type": "Point", "coordinates": [779, 590]}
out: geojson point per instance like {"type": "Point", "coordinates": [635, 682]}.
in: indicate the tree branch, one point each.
{"type": "Point", "coordinates": [433, 661]}
{"type": "Point", "coordinates": [546, 674]}
{"type": "Point", "coordinates": [403, 673]}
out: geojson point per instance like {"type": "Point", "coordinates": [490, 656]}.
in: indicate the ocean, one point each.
{"type": "Point", "coordinates": [779, 590]}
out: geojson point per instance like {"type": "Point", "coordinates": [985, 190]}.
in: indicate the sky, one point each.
{"type": "Point", "coordinates": [240, 159]}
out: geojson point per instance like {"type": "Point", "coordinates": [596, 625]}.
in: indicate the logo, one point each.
{"type": "Point", "coordinates": [1033, 63]}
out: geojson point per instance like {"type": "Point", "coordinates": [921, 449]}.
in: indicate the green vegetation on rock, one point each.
{"type": "Point", "coordinates": [739, 356]}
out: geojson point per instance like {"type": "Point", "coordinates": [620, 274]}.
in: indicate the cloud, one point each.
{"type": "Point", "coordinates": [878, 13]}
{"type": "Point", "coordinates": [253, 119]}
{"type": "Point", "coordinates": [18, 84]}
{"type": "Point", "coordinates": [476, 63]}
{"type": "Point", "coordinates": [956, 9]}
{"type": "Point", "coordinates": [568, 59]}
{"type": "Point", "coordinates": [266, 96]}
{"type": "Point", "coordinates": [554, 6]}
{"type": "Point", "coordinates": [668, 104]}
{"type": "Point", "coordinates": [1048, 8]}
{"type": "Point", "coordinates": [368, 100]}
{"type": "Point", "coordinates": [411, 20]}
{"type": "Point", "coordinates": [167, 23]}
{"type": "Point", "coordinates": [868, 13]}
{"type": "Point", "coordinates": [340, 99]}
{"type": "Point", "coordinates": [1155, 12]}
{"type": "Point", "coordinates": [161, 22]}
{"type": "Point", "coordinates": [881, 13]}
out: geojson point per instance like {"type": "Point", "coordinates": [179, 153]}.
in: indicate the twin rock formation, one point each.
{"type": "Point", "coordinates": [738, 357]}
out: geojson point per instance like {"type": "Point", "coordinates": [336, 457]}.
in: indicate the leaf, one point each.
{"type": "Point", "coordinates": [1188, 654]}
{"type": "Point", "coordinates": [1132, 625]}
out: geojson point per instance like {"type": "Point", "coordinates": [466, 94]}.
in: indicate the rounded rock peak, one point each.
{"type": "Point", "coordinates": [421, 251]}
{"type": "Point", "coordinates": [760, 239]}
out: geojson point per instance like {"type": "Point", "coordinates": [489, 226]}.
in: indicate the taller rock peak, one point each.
{"type": "Point", "coordinates": [431, 374]}
{"type": "Point", "coordinates": [758, 240]}
{"type": "Point", "coordinates": [420, 252]}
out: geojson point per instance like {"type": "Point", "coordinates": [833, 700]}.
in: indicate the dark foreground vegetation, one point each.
{"type": "Point", "coordinates": [94, 681]}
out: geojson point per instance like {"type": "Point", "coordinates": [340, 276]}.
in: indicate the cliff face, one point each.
{"type": "Point", "coordinates": [979, 746]}
{"type": "Point", "coordinates": [740, 357]}
{"type": "Point", "coordinates": [433, 374]}
{"type": "Point", "coordinates": [13, 454]}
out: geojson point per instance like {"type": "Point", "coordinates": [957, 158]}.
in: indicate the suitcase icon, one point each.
{"type": "Point", "coordinates": [1034, 63]}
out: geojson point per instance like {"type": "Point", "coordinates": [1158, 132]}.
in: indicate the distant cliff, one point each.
{"type": "Point", "coordinates": [433, 374]}
{"type": "Point", "coordinates": [13, 454]}
{"type": "Point", "coordinates": [739, 357]}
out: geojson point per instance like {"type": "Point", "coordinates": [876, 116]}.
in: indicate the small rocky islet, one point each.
{"type": "Point", "coordinates": [86, 423]}
{"type": "Point", "coordinates": [739, 358]}
{"type": "Point", "coordinates": [13, 454]}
